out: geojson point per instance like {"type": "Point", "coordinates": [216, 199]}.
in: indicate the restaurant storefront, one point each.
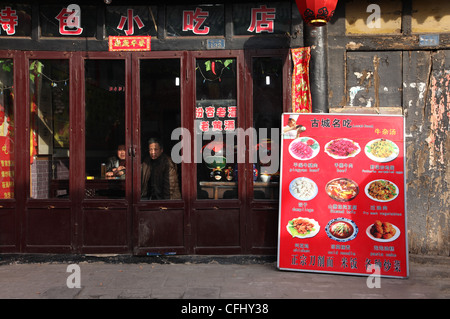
{"type": "Point", "coordinates": [79, 81]}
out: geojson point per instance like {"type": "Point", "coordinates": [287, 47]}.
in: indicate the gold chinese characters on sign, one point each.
{"type": "Point", "coordinates": [129, 43]}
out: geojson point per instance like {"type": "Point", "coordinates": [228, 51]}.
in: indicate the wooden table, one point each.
{"type": "Point", "coordinates": [216, 190]}
{"type": "Point", "coordinates": [97, 187]}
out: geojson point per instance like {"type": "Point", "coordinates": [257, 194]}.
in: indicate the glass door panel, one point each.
{"type": "Point", "coordinates": [215, 125]}
{"type": "Point", "coordinates": [105, 153]}
{"type": "Point", "coordinates": [267, 110]}
{"type": "Point", "coordinates": [160, 110]}
{"type": "Point", "coordinates": [49, 129]}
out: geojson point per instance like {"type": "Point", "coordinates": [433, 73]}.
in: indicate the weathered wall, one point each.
{"type": "Point", "coordinates": [427, 112]}
{"type": "Point", "coordinates": [387, 71]}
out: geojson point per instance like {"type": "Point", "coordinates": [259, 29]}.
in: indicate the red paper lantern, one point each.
{"type": "Point", "coordinates": [316, 12]}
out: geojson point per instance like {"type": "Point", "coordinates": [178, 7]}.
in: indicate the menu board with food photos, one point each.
{"type": "Point", "coordinates": [342, 194]}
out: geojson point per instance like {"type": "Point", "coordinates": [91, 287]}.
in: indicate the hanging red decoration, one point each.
{"type": "Point", "coordinates": [301, 91]}
{"type": "Point", "coordinates": [316, 12]}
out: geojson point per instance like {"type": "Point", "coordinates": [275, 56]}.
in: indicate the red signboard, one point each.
{"type": "Point", "coordinates": [342, 195]}
{"type": "Point", "coordinates": [130, 43]}
{"type": "Point", "coordinates": [6, 169]}
{"type": "Point", "coordinates": [216, 116]}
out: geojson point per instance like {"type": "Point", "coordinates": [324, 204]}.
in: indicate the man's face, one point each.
{"type": "Point", "coordinates": [121, 152]}
{"type": "Point", "coordinates": [291, 122]}
{"type": "Point", "coordinates": [154, 150]}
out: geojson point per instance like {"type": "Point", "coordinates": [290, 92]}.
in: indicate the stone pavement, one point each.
{"type": "Point", "coordinates": [236, 278]}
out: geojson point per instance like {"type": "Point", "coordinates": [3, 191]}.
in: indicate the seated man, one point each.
{"type": "Point", "coordinates": [159, 175]}
{"type": "Point", "coordinates": [115, 166]}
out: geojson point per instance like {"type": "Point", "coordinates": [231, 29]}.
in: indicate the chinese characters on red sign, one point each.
{"type": "Point", "coordinates": [6, 155]}
{"type": "Point", "coordinates": [9, 20]}
{"type": "Point", "coordinates": [342, 199]}
{"type": "Point", "coordinates": [216, 118]}
{"type": "Point", "coordinates": [126, 43]}
{"type": "Point", "coordinates": [6, 169]}
{"type": "Point", "coordinates": [262, 20]}
{"type": "Point", "coordinates": [194, 21]}
{"type": "Point", "coordinates": [201, 20]}
{"type": "Point", "coordinates": [197, 20]}
{"type": "Point", "coordinates": [70, 20]}
{"type": "Point", "coordinates": [131, 19]}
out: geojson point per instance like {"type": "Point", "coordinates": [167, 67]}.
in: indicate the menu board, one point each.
{"type": "Point", "coordinates": [342, 194]}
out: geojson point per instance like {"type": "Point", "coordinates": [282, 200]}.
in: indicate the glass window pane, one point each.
{"type": "Point", "coordinates": [267, 110]}
{"type": "Point", "coordinates": [49, 129]}
{"type": "Point", "coordinates": [6, 129]}
{"type": "Point", "coordinates": [160, 116]}
{"type": "Point", "coordinates": [105, 128]}
{"type": "Point", "coordinates": [215, 125]}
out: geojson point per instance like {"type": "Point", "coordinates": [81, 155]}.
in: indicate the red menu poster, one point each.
{"type": "Point", "coordinates": [342, 195]}
{"type": "Point", "coordinates": [6, 169]}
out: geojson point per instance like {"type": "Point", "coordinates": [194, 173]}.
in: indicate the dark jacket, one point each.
{"type": "Point", "coordinates": [113, 162]}
{"type": "Point", "coordinates": [159, 179]}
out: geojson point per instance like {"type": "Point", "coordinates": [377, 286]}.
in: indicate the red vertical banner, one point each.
{"type": "Point", "coordinates": [6, 168]}
{"type": "Point", "coordinates": [301, 94]}
{"type": "Point", "coordinates": [6, 151]}
{"type": "Point", "coordinates": [342, 195]}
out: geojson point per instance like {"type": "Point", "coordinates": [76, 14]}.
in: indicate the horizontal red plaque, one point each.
{"type": "Point", "coordinates": [128, 43]}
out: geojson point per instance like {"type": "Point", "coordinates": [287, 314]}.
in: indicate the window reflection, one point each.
{"type": "Point", "coordinates": [7, 162]}
{"type": "Point", "coordinates": [215, 121]}
{"type": "Point", "coordinates": [160, 116]}
{"type": "Point", "coordinates": [267, 110]}
{"type": "Point", "coordinates": [49, 129]}
{"type": "Point", "coordinates": [105, 128]}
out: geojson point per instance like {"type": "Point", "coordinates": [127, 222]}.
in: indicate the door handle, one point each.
{"type": "Point", "coordinates": [132, 151]}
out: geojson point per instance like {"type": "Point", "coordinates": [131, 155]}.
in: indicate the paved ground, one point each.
{"type": "Point", "coordinates": [207, 278]}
